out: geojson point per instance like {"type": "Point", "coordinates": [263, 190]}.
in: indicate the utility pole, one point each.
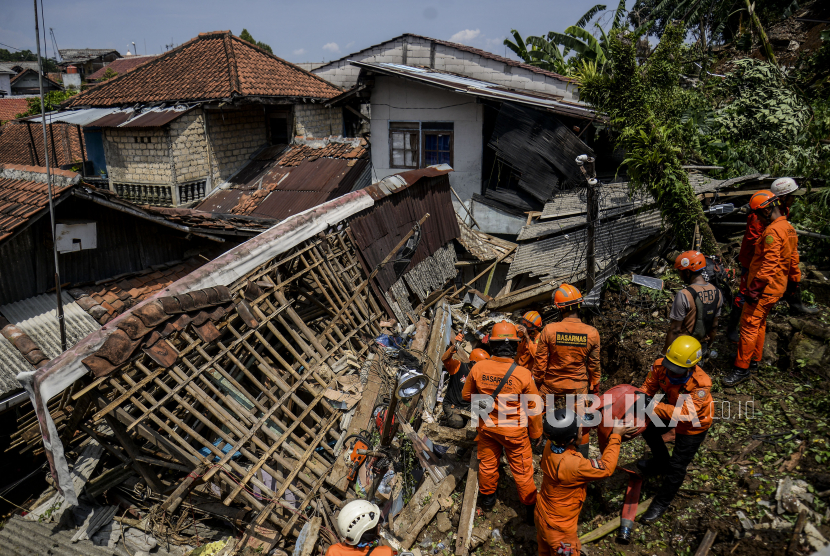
{"type": "Point", "coordinates": [586, 164]}
{"type": "Point", "coordinates": [61, 322]}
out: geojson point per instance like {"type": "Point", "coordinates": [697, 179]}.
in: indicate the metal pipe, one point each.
{"type": "Point", "coordinates": [61, 322]}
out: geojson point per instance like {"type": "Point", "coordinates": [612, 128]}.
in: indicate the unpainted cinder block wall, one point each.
{"type": "Point", "coordinates": [190, 155]}
{"type": "Point", "coordinates": [235, 134]}
{"type": "Point", "coordinates": [315, 120]}
{"type": "Point", "coordinates": [138, 155]}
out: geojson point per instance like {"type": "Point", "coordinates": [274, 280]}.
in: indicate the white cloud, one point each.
{"type": "Point", "coordinates": [465, 36]}
{"type": "Point", "coordinates": [350, 44]}
{"type": "Point", "coordinates": [299, 52]}
{"type": "Point", "coordinates": [331, 47]}
{"type": "Point", "coordinates": [493, 43]}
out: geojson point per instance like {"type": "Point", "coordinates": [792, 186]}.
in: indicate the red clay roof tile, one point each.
{"type": "Point", "coordinates": [11, 107]}
{"type": "Point", "coordinates": [65, 146]}
{"type": "Point", "coordinates": [211, 66]}
{"type": "Point", "coordinates": [20, 200]}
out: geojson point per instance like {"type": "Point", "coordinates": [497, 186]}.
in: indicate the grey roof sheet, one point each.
{"type": "Point", "coordinates": [83, 54]}
{"type": "Point", "coordinates": [11, 363]}
{"type": "Point", "coordinates": [485, 89]}
{"type": "Point", "coordinates": [563, 256]}
{"type": "Point", "coordinates": [78, 117]}
{"type": "Point", "coordinates": [36, 316]}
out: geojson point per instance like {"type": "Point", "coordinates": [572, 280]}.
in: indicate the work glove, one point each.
{"type": "Point", "coordinates": [459, 337]}
{"type": "Point", "coordinates": [754, 291]}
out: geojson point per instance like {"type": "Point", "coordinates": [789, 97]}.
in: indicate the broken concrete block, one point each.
{"type": "Point", "coordinates": [478, 536]}
{"type": "Point", "coordinates": [814, 538]}
{"type": "Point", "coordinates": [770, 355]}
{"type": "Point", "coordinates": [443, 522]}
{"type": "Point", "coordinates": [746, 523]}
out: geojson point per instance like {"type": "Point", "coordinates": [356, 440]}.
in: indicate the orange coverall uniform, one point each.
{"type": "Point", "coordinates": [565, 479]}
{"type": "Point", "coordinates": [698, 388]}
{"type": "Point", "coordinates": [774, 263]}
{"type": "Point", "coordinates": [513, 433]}
{"type": "Point", "coordinates": [567, 360]}
{"type": "Point", "coordinates": [342, 549]}
{"type": "Point", "coordinates": [526, 352]}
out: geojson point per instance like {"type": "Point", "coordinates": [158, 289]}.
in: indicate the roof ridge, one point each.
{"type": "Point", "coordinates": [233, 71]}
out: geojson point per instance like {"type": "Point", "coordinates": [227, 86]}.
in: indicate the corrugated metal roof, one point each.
{"type": "Point", "coordinates": [485, 89]}
{"type": "Point", "coordinates": [22, 537]}
{"type": "Point", "coordinates": [11, 363]}
{"type": "Point", "coordinates": [154, 117]}
{"type": "Point", "coordinates": [77, 117]}
{"type": "Point", "coordinates": [563, 256]}
{"type": "Point", "coordinates": [37, 317]}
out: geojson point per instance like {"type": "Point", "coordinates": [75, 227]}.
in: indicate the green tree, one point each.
{"type": "Point", "coordinates": [246, 36]}
{"type": "Point", "coordinates": [644, 105]}
{"type": "Point", "coordinates": [8, 57]}
{"type": "Point", "coordinates": [109, 73]}
{"type": "Point", "coordinates": [51, 100]}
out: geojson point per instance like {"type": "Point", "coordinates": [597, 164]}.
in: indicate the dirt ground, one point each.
{"type": "Point", "coordinates": [632, 325]}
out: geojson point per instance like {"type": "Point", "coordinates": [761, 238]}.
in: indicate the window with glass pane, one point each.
{"type": "Point", "coordinates": [403, 144]}
{"type": "Point", "coordinates": [437, 147]}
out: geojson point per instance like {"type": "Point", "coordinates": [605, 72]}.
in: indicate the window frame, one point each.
{"type": "Point", "coordinates": [418, 126]}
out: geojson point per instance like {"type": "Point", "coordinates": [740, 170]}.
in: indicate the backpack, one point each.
{"type": "Point", "coordinates": [716, 274]}
{"type": "Point", "coordinates": [704, 313]}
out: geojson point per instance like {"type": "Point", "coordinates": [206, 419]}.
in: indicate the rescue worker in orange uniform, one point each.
{"type": "Point", "coordinates": [696, 307]}
{"type": "Point", "coordinates": [688, 398]}
{"type": "Point", "coordinates": [358, 523]}
{"type": "Point", "coordinates": [567, 356]}
{"type": "Point", "coordinates": [508, 427]}
{"type": "Point", "coordinates": [784, 189]}
{"type": "Point", "coordinates": [458, 372]}
{"type": "Point", "coordinates": [754, 229]}
{"type": "Point", "coordinates": [774, 265]}
{"type": "Point", "coordinates": [528, 331]}
{"type": "Point", "coordinates": [565, 477]}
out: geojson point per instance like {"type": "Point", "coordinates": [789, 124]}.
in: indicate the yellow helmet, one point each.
{"type": "Point", "coordinates": [683, 353]}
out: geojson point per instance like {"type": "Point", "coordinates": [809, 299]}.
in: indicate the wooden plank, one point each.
{"type": "Point", "coordinates": [468, 508]}
{"type": "Point", "coordinates": [612, 525]}
{"type": "Point", "coordinates": [428, 459]}
{"type": "Point", "coordinates": [124, 438]}
{"type": "Point", "coordinates": [706, 543]}
{"type": "Point", "coordinates": [182, 490]}
{"type": "Point", "coordinates": [360, 421]}
{"type": "Point", "coordinates": [445, 488]}
{"type": "Point", "coordinates": [799, 527]}
{"type": "Point", "coordinates": [308, 537]}
{"type": "Point", "coordinates": [745, 452]}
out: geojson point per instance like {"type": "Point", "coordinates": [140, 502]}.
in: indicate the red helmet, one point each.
{"type": "Point", "coordinates": [690, 260]}
{"type": "Point", "coordinates": [566, 295]}
{"type": "Point", "coordinates": [478, 354]}
{"type": "Point", "coordinates": [763, 199]}
{"type": "Point", "coordinates": [504, 331]}
{"type": "Point", "coordinates": [532, 319]}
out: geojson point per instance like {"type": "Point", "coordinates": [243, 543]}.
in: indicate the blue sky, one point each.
{"type": "Point", "coordinates": [314, 30]}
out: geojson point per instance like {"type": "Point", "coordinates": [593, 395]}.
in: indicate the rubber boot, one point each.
{"type": "Point", "coordinates": [797, 306]}
{"type": "Point", "coordinates": [655, 511]}
{"type": "Point", "coordinates": [736, 376]}
{"type": "Point", "coordinates": [487, 501]}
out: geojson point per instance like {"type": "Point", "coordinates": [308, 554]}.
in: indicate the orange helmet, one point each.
{"type": "Point", "coordinates": [504, 331]}
{"type": "Point", "coordinates": [478, 354]}
{"type": "Point", "coordinates": [690, 260]}
{"type": "Point", "coordinates": [566, 295]}
{"type": "Point", "coordinates": [532, 319]}
{"type": "Point", "coordinates": [763, 199]}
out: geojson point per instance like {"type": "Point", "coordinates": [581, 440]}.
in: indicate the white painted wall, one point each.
{"type": "Point", "coordinates": [400, 100]}
{"type": "Point", "coordinates": [446, 58]}
{"type": "Point", "coordinates": [4, 83]}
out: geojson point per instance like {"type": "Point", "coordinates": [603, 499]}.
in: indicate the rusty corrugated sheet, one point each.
{"type": "Point", "coordinates": [378, 230]}
{"type": "Point", "coordinates": [111, 120]}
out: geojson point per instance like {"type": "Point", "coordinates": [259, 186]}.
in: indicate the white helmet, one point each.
{"type": "Point", "coordinates": [357, 517]}
{"type": "Point", "coordinates": [783, 186]}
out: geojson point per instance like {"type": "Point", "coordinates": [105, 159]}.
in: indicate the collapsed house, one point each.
{"type": "Point", "coordinates": [227, 373]}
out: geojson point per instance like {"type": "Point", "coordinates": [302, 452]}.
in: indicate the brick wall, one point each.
{"type": "Point", "coordinates": [137, 155]}
{"type": "Point", "coordinates": [315, 120]}
{"type": "Point", "coordinates": [190, 155]}
{"type": "Point", "coordinates": [235, 134]}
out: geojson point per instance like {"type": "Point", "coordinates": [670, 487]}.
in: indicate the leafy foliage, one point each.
{"type": "Point", "coordinates": [644, 105]}
{"type": "Point", "coordinates": [246, 36]}
{"type": "Point", "coordinates": [51, 101]}
{"type": "Point", "coordinates": [109, 73]}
